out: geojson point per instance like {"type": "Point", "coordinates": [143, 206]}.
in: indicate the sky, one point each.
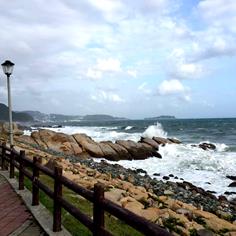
{"type": "Point", "coordinates": [134, 59]}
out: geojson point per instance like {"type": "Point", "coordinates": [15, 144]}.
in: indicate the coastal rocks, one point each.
{"type": "Point", "coordinates": [4, 129]}
{"type": "Point", "coordinates": [138, 151]}
{"type": "Point", "coordinates": [150, 142]}
{"type": "Point", "coordinates": [233, 184]}
{"type": "Point", "coordinates": [88, 145]}
{"type": "Point", "coordinates": [121, 151]}
{"type": "Point", "coordinates": [27, 139]}
{"type": "Point", "coordinates": [58, 142]}
{"type": "Point", "coordinates": [207, 146]}
{"type": "Point", "coordinates": [174, 140]}
{"type": "Point", "coordinates": [108, 152]}
{"type": "Point", "coordinates": [162, 141]}
{"type": "Point", "coordinates": [231, 177]}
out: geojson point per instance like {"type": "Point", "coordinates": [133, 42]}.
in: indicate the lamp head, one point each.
{"type": "Point", "coordinates": [7, 67]}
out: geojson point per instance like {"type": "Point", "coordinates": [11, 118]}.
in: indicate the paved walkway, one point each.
{"type": "Point", "coordinates": [15, 219]}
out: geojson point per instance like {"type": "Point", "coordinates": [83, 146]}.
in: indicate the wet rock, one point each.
{"type": "Point", "coordinates": [161, 141]}
{"type": "Point", "coordinates": [138, 151]}
{"type": "Point", "coordinates": [156, 174]}
{"type": "Point", "coordinates": [233, 184]}
{"type": "Point", "coordinates": [171, 175]}
{"type": "Point", "coordinates": [174, 140]}
{"type": "Point", "coordinates": [207, 146]}
{"type": "Point", "coordinates": [150, 142]}
{"type": "Point", "coordinates": [166, 177]}
{"type": "Point", "coordinates": [231, 177]}
{"type": "Point", "coordinates": [141, 171]}
{"type": "Point", "coordinates": [229, 193]}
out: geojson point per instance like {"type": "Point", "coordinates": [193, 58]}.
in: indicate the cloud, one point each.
{"type": "Point", "coordinates": [180, 67]}
{"type": "Point", "coordinates": [64, 45]}
{"type": "Point", "coordinates": [108, 65]}
{"type": "Point", "coordinates": [169, 87]}
{"type": "Point", "coordinates": [107, 96]}
{"type": "Point", "coordinates": [102, 66]}
{"type": "Point", "coordinates": [219, 13]}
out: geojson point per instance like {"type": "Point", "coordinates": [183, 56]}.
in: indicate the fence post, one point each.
{"type": "Point", "coordinates": [21, 174]}
{"type": "Point", "coordinates": [35, 189]}
{"type": "Point", "coordinates": [98, 212]}
{"type": "Point", "coordinates": [57, 195]}
{"type": "Point", "coordinates": [12, 167]}
{"type": "Point", "coordinates": [4, 167]}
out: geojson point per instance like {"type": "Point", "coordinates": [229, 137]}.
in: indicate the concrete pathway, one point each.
{"type": "Point", "coordinates": [15, 219]}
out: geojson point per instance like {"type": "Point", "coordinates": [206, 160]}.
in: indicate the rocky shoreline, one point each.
{"type": "Point", "coordinates": [180, 207]}
{"type": "Point", "coordinates": [183, 191]}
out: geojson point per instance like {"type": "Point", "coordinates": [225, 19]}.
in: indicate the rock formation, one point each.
{"type": "Point", "coordinates": [84, 146]}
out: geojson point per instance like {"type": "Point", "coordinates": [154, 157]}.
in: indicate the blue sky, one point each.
{"type": "Point", "coordinates": [132, 58]}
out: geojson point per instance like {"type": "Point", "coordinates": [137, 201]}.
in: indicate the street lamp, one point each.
{"type": "Point", "coordinates": [7, 67]}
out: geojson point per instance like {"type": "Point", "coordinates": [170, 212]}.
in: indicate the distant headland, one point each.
{"type": "Point", "coordinates": [160, 118]}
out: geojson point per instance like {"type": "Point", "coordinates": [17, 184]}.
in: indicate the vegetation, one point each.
{"type": "Point", "coordinates": [172, 224]}
{"type": "Point", "coordinates": [115, 226]}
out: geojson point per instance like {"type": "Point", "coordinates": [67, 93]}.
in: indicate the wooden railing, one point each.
{"type": "Point", "coordinates": [11, 159]}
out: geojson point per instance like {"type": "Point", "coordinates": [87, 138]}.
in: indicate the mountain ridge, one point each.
{"type": "Point", "coordinates": [16, 116]}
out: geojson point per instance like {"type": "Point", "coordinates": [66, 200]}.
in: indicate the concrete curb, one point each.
{"type": "Point", "coordinates": [40, 213]}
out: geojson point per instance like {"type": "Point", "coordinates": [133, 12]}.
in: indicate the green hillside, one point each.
{"type": "Point", "coordinates": [16, 116]}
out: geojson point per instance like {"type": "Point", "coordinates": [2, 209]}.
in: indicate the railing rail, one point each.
{"type": "Point", "coordinates": [9, 156]}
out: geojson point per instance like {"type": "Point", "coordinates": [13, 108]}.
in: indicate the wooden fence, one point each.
{"type": "Point", "coordinates": [13, 159]}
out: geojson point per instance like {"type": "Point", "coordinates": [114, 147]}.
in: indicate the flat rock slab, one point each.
{"type": "Point", "coordinates": [15, 219]}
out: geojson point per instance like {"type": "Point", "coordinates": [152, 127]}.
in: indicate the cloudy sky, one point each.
{"type": "Point", "coordinates": [136, 58]}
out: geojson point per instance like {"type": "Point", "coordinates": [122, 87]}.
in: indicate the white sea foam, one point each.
{"type": "Point", "coordinates": [97, 133]}
{"type": "Point", "coordinates": [154, 131]}
{"type": "Point", "coordinates": [207, 169]}
{"type": "Point", "coordinates": [128, 127]}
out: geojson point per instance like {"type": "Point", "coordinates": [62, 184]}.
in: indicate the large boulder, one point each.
{"type": "Point", "coordinates": [89, 145]}
{"type": "Point", "coordinates": [4, 129]}
{"type": "Point", "coordinates": [174, 140]}
{"type": "Point", "coordinates": [123, 154]}
{"type": "Point", "coordinates": [161, 141]}
{"type": "Point", "coordinates": [150, 141]}
{"type": "Point", "coordinates": [108, 151]}
{"type": "Point", "coordinates": [138, 151]}
{"type": "Point", "coordinates": [58, 142]}
{"type": "Point", "coordinates": [26, 139]}
{"type": "Point", "coordinates": [207, 146]}
{"type": "Point", "coordinates": [36, 137]}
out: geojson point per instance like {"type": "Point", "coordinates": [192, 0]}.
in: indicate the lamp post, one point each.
{"type": "Point", "coordinates": [7, 67]}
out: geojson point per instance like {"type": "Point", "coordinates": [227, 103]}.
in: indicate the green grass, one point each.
{"type": "Point", "coordinates": [113, 225]}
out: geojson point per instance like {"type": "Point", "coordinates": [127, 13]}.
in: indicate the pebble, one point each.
{"type": "Point", "coordinates": [166, 177]}
{"type": "Point", "coordinates": [156, 174]}
{"type": "Point", "coordinates": [168, 192]}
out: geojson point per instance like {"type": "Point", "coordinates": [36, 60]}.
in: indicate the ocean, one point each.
{"type": "Point", "coordinates": [206, 169]}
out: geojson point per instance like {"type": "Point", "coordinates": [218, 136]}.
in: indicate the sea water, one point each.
{"type": "Point", "coordinates": [206, 169]}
